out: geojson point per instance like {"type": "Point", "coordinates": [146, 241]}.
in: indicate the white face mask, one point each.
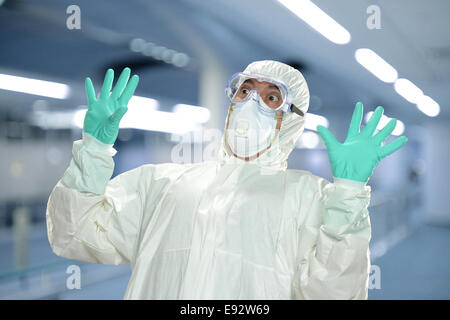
{"type": "Point", "coordinates": [249, 130]}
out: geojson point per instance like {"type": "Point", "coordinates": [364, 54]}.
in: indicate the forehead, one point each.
{"type": "Point", "coordinates": [257, 83]}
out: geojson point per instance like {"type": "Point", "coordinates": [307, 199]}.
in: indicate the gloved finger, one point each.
{"type": "Point", "coordinates": [129, 90]}
{"type": "Point", "coordinates": [385, 132]}
{"type": "Point", "coordinates": [353, 130]}
{"type": "Point", "coordinates": [117, 116]}
{"type": "Point", "coordinates": [90, 91]}
{"type": "Point", "coordinates": [393, 146]}
{"type": "Point", "coordinates": [121, 83]}
{"type": "Point", "coordinates": [327, 136]}
{"type": "Point", "coordinates": [372, 124]}
{"type": "Point", "coordinates": [107, 84]}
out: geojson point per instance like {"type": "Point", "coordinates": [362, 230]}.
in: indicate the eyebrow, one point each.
{"type": "Point", "coordinates": [272, 86]}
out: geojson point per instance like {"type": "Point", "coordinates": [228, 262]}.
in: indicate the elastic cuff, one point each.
{"type": "Point", "coordinates": [91, 143]}
{"type": "Point", "coordinates": [350, 184]}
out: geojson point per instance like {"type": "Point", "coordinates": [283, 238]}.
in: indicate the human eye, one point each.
{"type": "Point", "coordinates": [274, 98]}
{"type": "Point", "coordinates": [244, 91]}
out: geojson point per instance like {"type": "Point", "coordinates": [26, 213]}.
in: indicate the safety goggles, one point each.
{"type": "Point", "coordinates": [273, 95]}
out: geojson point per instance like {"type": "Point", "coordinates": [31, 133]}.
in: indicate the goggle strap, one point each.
{"type": "Point", "coordinates": [297, 110]}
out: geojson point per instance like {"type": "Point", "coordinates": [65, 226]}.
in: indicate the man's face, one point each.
{"type": "Point", "coordinates": [271, 96]}
{"type": "Point", "coordinates": [269, 92]}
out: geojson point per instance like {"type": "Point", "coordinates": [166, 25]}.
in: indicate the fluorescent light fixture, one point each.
{"type": "Point", "coordinates": [143, 102]}
{"type": "Point", "coordinates": [78, 118]}
{"type": "Point", "coordinates": [192, 113]}
{"type": "Point", "coordinates": [318, 20]}
{"type": "Point", "coordinates": [138, 108]}
{"type": "Point", "coordinates": [413, 94]}
{"type": "Point", "coordinates": [428, 106]}
{"type": "Point", "coordinates": [408, 90]}
{"type": "Point", "coordinates": [160, 121]}
{"type": "Point", "coordinates": [313, 120]}
{"type": "Point", "coordinates": [180, 59]}
{"type": "Point", "coordinates": [137, 45]}
{"type": "Point", "coordinates": [399, 126]}
{"type": "Point", "coordinates": [52, 120]}
{"type": "Point", "coordinates": [151, 120]}
{"type": "Point", "coordinates": [34, 86]}
{"type": "Point", "coordinates": [376, 65]}
{"type": "Point", "coordinates": [143, 114]}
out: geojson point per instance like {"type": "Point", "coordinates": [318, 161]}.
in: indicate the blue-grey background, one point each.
{"type": "Point", "coordinates": [212, 40]}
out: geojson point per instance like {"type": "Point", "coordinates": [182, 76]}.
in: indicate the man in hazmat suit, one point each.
{"type": "Point", "coordinates": [242, 227]}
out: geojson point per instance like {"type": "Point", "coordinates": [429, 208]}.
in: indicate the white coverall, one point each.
{"type": "Point", "coordinates": [217, 230]}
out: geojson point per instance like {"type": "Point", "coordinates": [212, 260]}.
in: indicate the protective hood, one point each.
{"type": "Point", "coordinates": [292, 126]}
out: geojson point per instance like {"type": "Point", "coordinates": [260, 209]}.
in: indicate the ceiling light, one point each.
{"type": "Point", "coordinates": [376, 65]}
{"type": "Point", "coordinates": [192, 113]}
{"type": "Point", "coordinates": [384, 120]}
{"type": "Point", "coordinates": [318, 20]}
{"type": "Point", "coordinates": [34, 86]}
{"type": "Point", "coordinates": [308, 140]}
{"type": "Point", "coordinates": [408, 90]}
{"type": "Point", "coordinates": [313, 120]}
{"type": "Point", "coordinates": [428, 106]}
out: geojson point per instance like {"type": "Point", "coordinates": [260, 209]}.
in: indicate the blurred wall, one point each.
{"type": "Point", "coordinates": [437, 172]}
{"type": "Point", "coordinates": [31, 168]}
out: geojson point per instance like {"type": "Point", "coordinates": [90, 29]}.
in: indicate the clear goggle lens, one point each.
{"type": "Point", "coordinates": [241, 87]}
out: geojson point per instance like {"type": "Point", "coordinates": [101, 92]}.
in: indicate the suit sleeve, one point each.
{"type": "Point", "coordinates": [333, 241]}
{"type": "Point", "coordinates": [90, 217]}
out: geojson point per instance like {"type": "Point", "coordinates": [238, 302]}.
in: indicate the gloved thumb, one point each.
{"type": "Point", "coordinates": [117, 115]}
{"type": "Point", "coordinates": [327, 136]}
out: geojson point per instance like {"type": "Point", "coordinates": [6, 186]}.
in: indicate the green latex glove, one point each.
{"type": "Point", "coordinates": [356, 158]}
{"type": "Point", "coordinates": [104, 114]}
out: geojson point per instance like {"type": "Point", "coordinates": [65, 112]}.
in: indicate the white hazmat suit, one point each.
{"type": "Point", "coordinates": [217, 230]}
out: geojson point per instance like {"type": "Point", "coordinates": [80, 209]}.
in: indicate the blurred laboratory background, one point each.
{"type": "Point", "coordinates": [390, 53]}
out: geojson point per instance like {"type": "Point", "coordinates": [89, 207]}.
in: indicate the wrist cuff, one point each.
{"type": "Point", "coordinates": [350, 184]}
{"type": "Point", "coordinates": [91, 143]}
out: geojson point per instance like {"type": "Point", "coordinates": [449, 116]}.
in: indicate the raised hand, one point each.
{"type": "Point", "coordinates": [356, 158]}
{"type": "Point", "coordinates": [104, 114]}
